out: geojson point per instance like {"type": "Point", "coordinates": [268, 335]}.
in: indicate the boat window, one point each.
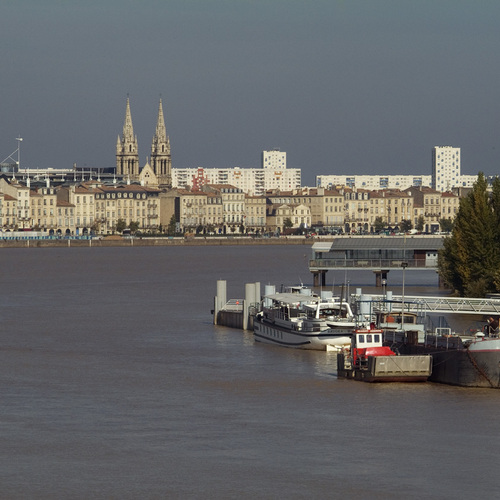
{"type": "Point", "coordinates": [361, 338]}
{"type": "Point", "coordinates": [377, 338]}
{"type": "Point", "coordinates": [369, 338]}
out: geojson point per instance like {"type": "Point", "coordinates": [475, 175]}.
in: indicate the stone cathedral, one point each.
{"type": "Point", "coordinates": [158, 170]}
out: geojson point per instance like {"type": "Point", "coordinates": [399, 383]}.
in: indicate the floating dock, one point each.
{"type": "Point", "coordinates": [236, 313]}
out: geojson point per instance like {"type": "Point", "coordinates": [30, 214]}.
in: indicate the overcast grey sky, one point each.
{"type": "Point", "coordinates": [343, 86]}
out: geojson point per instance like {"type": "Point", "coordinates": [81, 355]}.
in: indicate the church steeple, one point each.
{"type": "Point", "coordinates": [161, 161]}
{"type": "Point", "coordinates": [127, 157]}
{"type": "Point", "coordinates": [128, 128]}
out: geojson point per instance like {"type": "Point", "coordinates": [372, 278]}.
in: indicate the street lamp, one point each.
{"type": "Point", "coordinates": [19, 139]}
{"type": "Point", "coordinates": [404, 265]}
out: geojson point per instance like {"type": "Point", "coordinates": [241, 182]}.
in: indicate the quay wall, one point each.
{"type": "Point", "coordinates": [118, 241]}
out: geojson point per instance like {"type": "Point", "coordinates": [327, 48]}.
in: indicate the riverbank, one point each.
{"type": "Point", "coordinates": [119, 241]}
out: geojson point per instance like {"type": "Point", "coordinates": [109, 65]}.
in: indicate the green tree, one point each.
{"type": "Point", "coordinates": [171, 226]}
{"type": "Point", "coordinates": [134, 226]}
{"type": "Point", "coordinates": [406, 225]}
{"type": "Point", "coordinates": [378, 224]}
{"type": "Point", "coordinates": [446, 225]}
{"type": "Point", "coordinates": [120, 225]}
{"type": "Point", "coordinates": [287, 223]}
{"type": "Point", "coordinates": [419, 226]}
{"type": "Point", "coordinates": [470, 258]}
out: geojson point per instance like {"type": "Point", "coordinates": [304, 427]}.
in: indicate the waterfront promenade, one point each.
{"type": "Point", "coordinates": [119, 241]}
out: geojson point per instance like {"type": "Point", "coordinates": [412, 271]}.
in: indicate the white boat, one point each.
{"type": "Point", "coordinates": [298, 318]}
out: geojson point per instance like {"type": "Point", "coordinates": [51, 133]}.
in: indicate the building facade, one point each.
{"type": "Point", "coordinates": [445, 168]}
{"type": "Point", "coordinates": [273, 174]}
{"type": "Point", "coordinates": [373, 182]}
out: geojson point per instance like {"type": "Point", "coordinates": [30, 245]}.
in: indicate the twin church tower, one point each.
{"type": "Point", "coordinates": [158, 171]}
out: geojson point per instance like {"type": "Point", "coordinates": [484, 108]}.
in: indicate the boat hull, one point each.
{"type": "Point", "coordinates": [466, 368]}
{"type": "Point", "coordinates": [271, 333]}
{"type": "Point", "coordinates": [473, 365]}
{"type": "Point", "coordinates": [411, 368]}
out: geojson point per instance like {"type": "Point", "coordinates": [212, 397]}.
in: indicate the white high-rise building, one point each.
{"type": "Point", "coordinates": [252, 181]}
{"type": "Point", "coordinates": [372, 181]}
{"type": "Point", "coordinates": [274, 159]}
{"type": "Point", "coordinates": [445, 168]}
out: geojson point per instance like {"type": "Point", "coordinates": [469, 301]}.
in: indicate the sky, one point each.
{"type": "Point", "coordinates": [343, 86]}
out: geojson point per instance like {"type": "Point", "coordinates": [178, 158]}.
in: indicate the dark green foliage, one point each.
{"type": "Point", "coordinates": [469, 261]}
{"type": "Point", "coordinates": [446, 225]}
{"type": "Point", "coordinates": [120, 225]}
{"type": "Point", "coordinates": [134, 226]}
{"type": "Point", "coordinates": [171, 226]}
{"type": "Point", "coordinates": [420, 223]}
{"type": "Point", "coordinates": [406, 225]}
{"type": "Point", "coordinates": [379, 224]}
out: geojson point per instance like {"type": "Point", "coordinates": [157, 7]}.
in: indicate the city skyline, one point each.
{"type": "Point", "coordinates": [347, 87]}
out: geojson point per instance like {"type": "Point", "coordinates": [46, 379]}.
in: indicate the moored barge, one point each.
{"type": "Point", "coordinates": [368, 360]}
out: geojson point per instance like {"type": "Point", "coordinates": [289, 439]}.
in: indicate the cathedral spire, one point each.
{"type": "Point", "coordinates": [161, 161]}
{"type": "Point", "coordinates": [128, 128]}
{"type": "Point", "coordinates": [127, 158]}
{"type": "Point", "coordinates": [161, 131]}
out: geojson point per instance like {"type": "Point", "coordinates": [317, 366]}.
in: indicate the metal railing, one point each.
{"type": "Point", "coordinates": [370, 263]}
{"type": "Point", "coordinates": [442, 305]}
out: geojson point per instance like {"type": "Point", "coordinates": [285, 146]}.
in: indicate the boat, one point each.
{"type": "Point", "coordinates": [300, 319]}
{"type": "Point", "coordinates": [368, 360]}
{"type": "Point", "coordinates": [471, 360]}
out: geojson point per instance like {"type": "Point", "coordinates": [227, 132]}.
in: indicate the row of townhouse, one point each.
{"type": "Point", "coordinates": [91, 207]}
{"type": "Point", "coordinates": [392, 207]}
{"type": "Point", "coordinates": [218, 208]}
{"type": "Point", "coordinates": [226, 209]}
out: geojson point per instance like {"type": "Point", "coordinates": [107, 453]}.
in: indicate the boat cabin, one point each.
{"type": "Point", "coordinates": [393, 321]}
{"type": "Point", "coordinates": [368, 343]}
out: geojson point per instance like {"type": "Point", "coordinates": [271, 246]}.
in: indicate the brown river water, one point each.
{"type": "Point", "coordinates": [116, 384]}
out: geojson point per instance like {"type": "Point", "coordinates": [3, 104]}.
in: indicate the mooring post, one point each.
{"type": "Point", "coordinates": [220, 299]}
{"type": "Point", "coordinates": [249, 300]}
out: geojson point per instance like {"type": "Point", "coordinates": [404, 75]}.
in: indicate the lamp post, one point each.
{"type": "Point", "coordinates": [404, 265]}
{"type": "Point", "coordinates": [19, 139]}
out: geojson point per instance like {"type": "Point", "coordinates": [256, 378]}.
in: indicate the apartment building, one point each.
{"type": "Point", "coordinates": [373, 182]}
{"type": "Point", "coordinates": [188, 207]}
{"type": "Point", "coordinates": [130, 203]}
{"type": "Point", "coordinates": [426, 204]}
{"type": "Point", "coordinates": [43, 208]}
{"type": "Point", "coordinates": [233, 206]}
{"type": "Point", "coordinates": [255, 213]}
{"type": "Point", "coordinates": [273, 174]}
{"type": "Point", "coordinates": [357, 208]}
{"type": "Point", "coordinates": [65, 217]}
{"type": "Point", "coordinates": [445, 168]}
{"type": "Point", "coordinates": [299, 215]}
{"type": "Point", "coordinates": [9, 212]}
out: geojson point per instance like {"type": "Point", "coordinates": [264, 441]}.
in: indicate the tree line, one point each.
{"type": "Point", "coordinates": [469, 262]}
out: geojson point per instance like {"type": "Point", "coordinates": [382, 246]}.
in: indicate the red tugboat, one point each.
{"type": "Point", "coordinates": [368, 360]}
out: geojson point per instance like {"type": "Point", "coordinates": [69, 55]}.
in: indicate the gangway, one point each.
{"type": "Point", "coordinates": [442, 305]}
